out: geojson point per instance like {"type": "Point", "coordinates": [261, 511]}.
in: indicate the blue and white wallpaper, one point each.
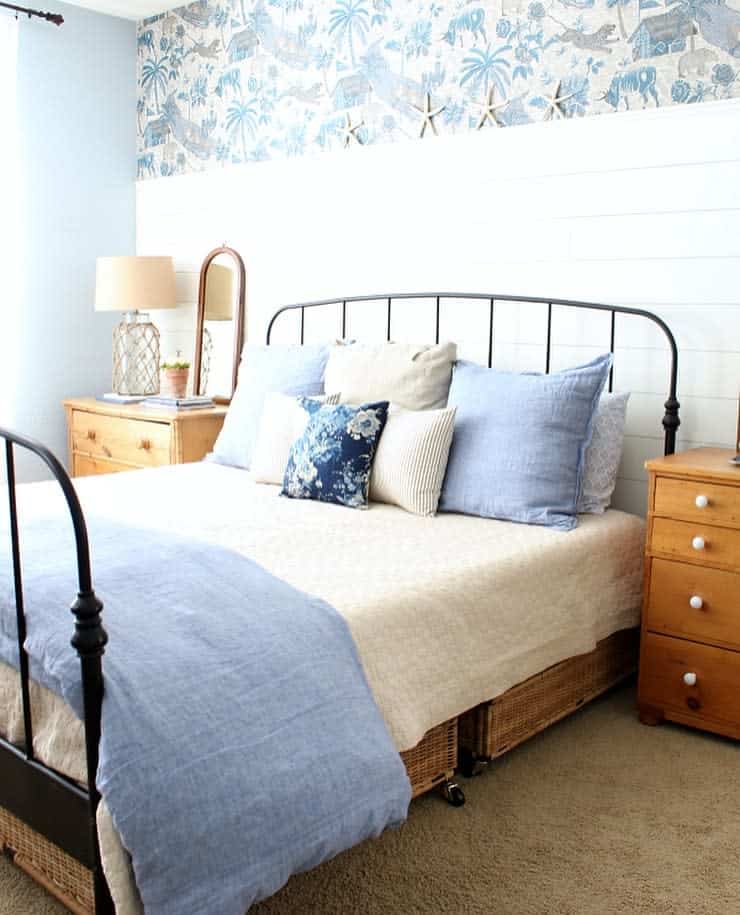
{"type": "Point", "coordinates": [247, 80]}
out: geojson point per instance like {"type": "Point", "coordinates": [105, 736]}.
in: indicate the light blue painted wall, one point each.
{"type": "Point", "coordinates": [77, 102]}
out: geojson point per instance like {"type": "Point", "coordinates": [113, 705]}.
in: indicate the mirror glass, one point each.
{"type": "Point", "coordinates": [220, 326]}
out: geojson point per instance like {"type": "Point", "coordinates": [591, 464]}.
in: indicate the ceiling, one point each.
{"type": "Point", "coordinates": [128, 9]}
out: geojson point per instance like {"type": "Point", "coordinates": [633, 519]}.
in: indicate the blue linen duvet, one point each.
{"type": "Point", "coordinates": [241, 743]}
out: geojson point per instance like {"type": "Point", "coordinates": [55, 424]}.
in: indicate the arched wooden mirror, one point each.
{"type": "Point", "coordinates": [219, 332]}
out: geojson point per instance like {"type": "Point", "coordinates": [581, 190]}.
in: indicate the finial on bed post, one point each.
{"type": "Point", "coordinates": [671, 422]}
{"type": "Point", "coordinates": [89, 641]}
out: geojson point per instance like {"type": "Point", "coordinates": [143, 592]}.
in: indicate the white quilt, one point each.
{"type": "Point", "coordinates": [447, 611]}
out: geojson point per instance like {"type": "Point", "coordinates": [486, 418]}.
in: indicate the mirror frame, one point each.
{"type": "Point", "coordinates": [239, 319]}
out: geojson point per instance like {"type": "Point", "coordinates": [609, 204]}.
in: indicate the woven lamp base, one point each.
{"type": "Point", "coordinates": [136, 356]}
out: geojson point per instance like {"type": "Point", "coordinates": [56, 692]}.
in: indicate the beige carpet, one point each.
{"type": "Point", "coordinates": [597, 815]}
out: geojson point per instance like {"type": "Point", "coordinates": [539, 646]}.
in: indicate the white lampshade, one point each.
{"type": "Point", "coordinates": [134, 284]}
{"type": "Point", "coordinates": [219, 293]}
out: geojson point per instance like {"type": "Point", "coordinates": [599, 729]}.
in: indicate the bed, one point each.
{"type": "Point", "coordinates": [472, 646]}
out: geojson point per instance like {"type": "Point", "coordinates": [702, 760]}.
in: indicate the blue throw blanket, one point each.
{"type": "Point", "coordinates": [241, 743]}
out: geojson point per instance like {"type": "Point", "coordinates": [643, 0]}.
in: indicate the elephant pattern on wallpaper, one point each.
{"type": "Point", "coordinates": [237, 81]}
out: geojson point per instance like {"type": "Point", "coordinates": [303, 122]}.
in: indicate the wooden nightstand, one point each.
{"type": "Point", "coordinates": [690, 648]}
{"type": "Point", "coordinates": [106, 438]}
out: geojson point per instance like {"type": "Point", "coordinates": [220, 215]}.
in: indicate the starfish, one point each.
{"type": "Point", "coordinates": [429, 114]}
{"type": "Point", "coordinates": [555, 101]}
{"type": "Point", "coordinates": [349, 131]}
{"type": "Point", "coordinates": [488, 110]}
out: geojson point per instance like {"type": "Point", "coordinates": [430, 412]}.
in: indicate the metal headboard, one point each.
{"type": "Point", "coordinates": [670, 421]}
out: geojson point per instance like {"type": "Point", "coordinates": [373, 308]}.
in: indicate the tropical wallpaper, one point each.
{"type": "Point", "coordinates": [234, 81]}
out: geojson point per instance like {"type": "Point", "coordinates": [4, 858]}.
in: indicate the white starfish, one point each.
{"type": "Point", "coordinates": [489, 109]}
{"type": "Point", "coordinates": [429, 115]}
{"type": "Point", "coordinates": [555, 101]}
{"type": "Point", "coordinates": [349, 132]}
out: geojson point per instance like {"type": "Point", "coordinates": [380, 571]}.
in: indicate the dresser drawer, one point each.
{"type": "Point", "coordinates": [84, 466]}
{"type": "Point", "coordinates": [693, 500]}
{"type": "Point", "coordinates": [695, 542]}
{"type": "Point", "coordinates": [137, 443]}
{"type": "Point", "coordinates": [715, 616]}
{"type": "Point", "coordinates": [716, 693]}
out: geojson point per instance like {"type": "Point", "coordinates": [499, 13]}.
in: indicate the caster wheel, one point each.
{"type": "Point", "coordinates": [454, 794]}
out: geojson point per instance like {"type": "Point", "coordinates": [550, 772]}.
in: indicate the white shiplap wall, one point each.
{"type": "Point", "coordinates": [639, 209]}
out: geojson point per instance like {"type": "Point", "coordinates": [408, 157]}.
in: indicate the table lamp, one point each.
{"type": "Point", "coordinates": [219, 306]}
{"type": "Point", "coordinates": [134, 285]}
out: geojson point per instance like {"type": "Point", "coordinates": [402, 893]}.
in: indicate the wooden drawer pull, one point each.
{"type": "Point", "coordinates": [689, 678]}
{"type": "Point", "coordinates": [701, 501]}
{"type": "Point", "coordinates": [144, 444]}
{"type": "Point", "coordinates": [698, 543]}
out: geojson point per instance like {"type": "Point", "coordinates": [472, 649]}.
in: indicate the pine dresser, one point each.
{"type": "Point", "coordinates": [690, 643]}
{"type": "Point", "coordinates": [108, 437]}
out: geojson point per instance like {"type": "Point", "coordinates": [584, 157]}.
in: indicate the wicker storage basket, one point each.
{"type": "Point", "coordinates": [428, 764]}
{"type": "Point", "coordinates": [47, 864]}
{"type": "Point", "coordinates": [433, 759]}
{"type": "Point", "coordinates": [494, 727]}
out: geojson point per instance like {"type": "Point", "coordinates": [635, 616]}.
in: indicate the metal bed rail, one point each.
{"type": "Point", "coordinates": [670, 421]}
{"type": "Point", "coordinates": [46, 801]}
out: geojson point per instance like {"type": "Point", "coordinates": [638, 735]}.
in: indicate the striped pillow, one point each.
{"type": "Point", "coordinates": [411, 459]}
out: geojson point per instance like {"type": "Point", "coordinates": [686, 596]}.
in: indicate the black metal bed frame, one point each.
{"type": "Point", "coordinates": [55, 806]}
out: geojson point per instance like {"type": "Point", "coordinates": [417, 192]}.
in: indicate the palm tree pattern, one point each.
{"type": "Point", "coordinates": [227, 82]}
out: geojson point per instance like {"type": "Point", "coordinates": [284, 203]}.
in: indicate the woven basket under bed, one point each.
{"type": "Point", "coordinates": [428, 764]}
{"type": "Point", "coordinates": [493, 728]}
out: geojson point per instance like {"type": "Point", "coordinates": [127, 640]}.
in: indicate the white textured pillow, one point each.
{"type": "Point", "coordinates": [281, 424]}
{"type": "Point", "coordinates": [411, 459]}
{"type": "Point", "coordinates": [601, 461]}
{"type": "Point", "coordinates": [416, 377]}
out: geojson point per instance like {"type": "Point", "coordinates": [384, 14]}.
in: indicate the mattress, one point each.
{"type": "Point", "coordinates": [446, 611]}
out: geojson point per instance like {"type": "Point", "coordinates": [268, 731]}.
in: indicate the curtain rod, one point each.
{"type": "Point", "coordinates": [50, 17]}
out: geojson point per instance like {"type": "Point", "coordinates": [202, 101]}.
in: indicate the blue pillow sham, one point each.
{"type": "Point", "coordinates": [296, 370]}
{"type": "Point", "coordinates": [520, 440]}
{"type": "Point", "coordinates": [332, 460]}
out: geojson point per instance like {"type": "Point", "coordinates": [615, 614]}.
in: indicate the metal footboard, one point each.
{"type": "Point", "coordinates": [46, 801]}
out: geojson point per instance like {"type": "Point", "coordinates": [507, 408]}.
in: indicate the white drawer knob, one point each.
{"type": "Point", "coordinates": [701, 501]}
{"type": "Point", "coordinates": [689, 678]}
{"type": "Point", "coordinates": [698, 543]}
{"type": "Point", "coordinates": [696, 602]}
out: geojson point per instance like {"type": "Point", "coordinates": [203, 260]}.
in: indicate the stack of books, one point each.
{"type": "Point", "coordinates": [160, 401]}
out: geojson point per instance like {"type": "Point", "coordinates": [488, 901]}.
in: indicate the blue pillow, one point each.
{"type": "Point", "coordinates": [519, 442]}
{"type": "Point", "coordinates": [288, 369]}
{"type": "Point", "coordinates": [332, 460]}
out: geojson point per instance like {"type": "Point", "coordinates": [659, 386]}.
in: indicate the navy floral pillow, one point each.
{"type": "Point", "coordinates": [332, 460]}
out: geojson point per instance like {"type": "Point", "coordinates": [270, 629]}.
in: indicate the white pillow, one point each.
{"type": "Point", "coordinates": [601, 461]}
{"type": "Point", "coordinates": [416, 377]}
{"type": "Point", "coordinates": [411, 459]}
{"type": "Point", "coordinates": [282, 423]}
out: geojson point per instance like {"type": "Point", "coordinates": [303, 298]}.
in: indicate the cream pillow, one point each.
{"type": "Point", "coordinates": [411, 459]}
{"type": "Point", "coordinates": [416, 377]}
{"type": "Point", "coordinates": [282, 422]}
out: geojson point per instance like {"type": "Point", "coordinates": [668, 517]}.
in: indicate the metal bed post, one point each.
{"type": "Point", "coordinates": [89, 641]}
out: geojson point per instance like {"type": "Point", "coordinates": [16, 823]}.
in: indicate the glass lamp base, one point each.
{"type": "Point", "coordinates": [136, 356]}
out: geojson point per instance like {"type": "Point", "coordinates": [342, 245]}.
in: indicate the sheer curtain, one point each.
{"type": "Point", "coordinates": [10, 221]}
